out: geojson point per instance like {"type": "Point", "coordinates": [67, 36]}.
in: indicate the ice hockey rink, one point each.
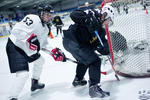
{"type": "Point", "coordinates": [58, 77]}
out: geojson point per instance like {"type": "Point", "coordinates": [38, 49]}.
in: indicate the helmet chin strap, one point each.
{"type": "Point", "coordinates": [42, 20]}
{"type": "Point", "coordinates": [102, 21]}
{"type": "Point", "coordinates": [105, 19]}
{"type": "Point", "coordinates": [41, 15]}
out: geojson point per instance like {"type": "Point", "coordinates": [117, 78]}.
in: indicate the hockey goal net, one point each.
{"type": "Point", "coordinates": [130, 39]}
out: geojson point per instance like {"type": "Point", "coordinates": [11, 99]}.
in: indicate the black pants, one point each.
{"type": "Point", "coordinates": [59, 28]}
{"type": "Point", "coordinates": [87, 59]}
{"type": "Point", "coordinates": [18, 60]}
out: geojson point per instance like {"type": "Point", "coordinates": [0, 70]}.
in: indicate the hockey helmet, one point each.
{"type": "Point", "coordinates": [86, 4]}
{"type": "Point", "coordinates": [108, 10]}
{"type": "Point", "coordinates": [45, 8]}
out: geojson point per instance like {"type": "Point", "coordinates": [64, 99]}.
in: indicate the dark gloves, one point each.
{"type": "Point", "coordinates": [92, 22]}
{"type": "Point", "coordinates": [103, 50]}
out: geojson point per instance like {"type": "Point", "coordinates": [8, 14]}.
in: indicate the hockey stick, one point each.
{"type": "Point", "coordinates": [111, 52]}
{"type": "Point", "coordinates": [49, 52]}
{"type": "Point", "coordinates": [111, 61]}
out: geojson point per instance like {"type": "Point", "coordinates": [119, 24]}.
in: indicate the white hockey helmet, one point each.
{"type": "Point", "coordinates": [109, 10]}
{"type": "Point", "coordinates": [86, 3]}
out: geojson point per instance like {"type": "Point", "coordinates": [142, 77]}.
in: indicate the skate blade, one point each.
{"type": "Point", "coordinates": [36, 92]}
{"type": "Point", "coordinates": [98, 98]}
{"type": "Point", "coordinates": [78, 86]}
{"type": "Point", "coordinates": [148, 71]}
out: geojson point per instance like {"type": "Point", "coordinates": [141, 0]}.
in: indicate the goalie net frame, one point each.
{"type": "Point", "coordinates": [119, 66]}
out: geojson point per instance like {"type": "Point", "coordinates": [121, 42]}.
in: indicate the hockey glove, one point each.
{"type": "Point", "coordinates": [58, 55]}
{"type": "Point", "coordinates": [33, 43]}
{"type": "Point", "coordinates": [103, 50]}
{"type": "Point", "coordinates": [92, 22]}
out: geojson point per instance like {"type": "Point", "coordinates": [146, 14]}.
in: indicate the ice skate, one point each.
{"type": "Point", "coordinates": [77, 82]}
{"type": "Point", "coordinates": [36, 85]}
{"type": "Point", "coordinates": [13, 99]}
{"type": "Point", "coordinates": [148, 70]}
{"type": "Point", "coordinates": [96, 91]}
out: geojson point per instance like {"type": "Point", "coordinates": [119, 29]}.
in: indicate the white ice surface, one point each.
{"type": "Point", "coordinates": [58, 77]}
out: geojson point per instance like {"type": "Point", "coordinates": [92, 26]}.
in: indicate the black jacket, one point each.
{"type": "Point", "coordinates": [57, 20]}
{"type": "Point", "coordinates": [79, 31]}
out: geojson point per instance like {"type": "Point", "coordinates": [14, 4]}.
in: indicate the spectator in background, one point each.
{"type": "Point", "coordinates": [17, 18]}
{"type": "Point", "coordinates": [2, 18]}
{"type": "Point", "coordinates": [125, 8]}
{"type": "Point", "coordinates": [118, 8]}
{"type": "Point", "coordinates": [86, 6]}
{"type": "Point", "coordinates": [58, 24]}
{"type": "Point", "coordinates": [10, 23]}
{"type": "Point", "coordinates": [144, 5]}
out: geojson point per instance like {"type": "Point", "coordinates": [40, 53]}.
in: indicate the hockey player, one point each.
{"type": "Point", "coordinates": [81, 41]}
{"type": "Point", "coordinates": [58, 24]}
{"type": "Point", "coordinates": [126, 8]}
{"type": "Point", "coordinates": [86, 6]}
{"type": "Point", "coordinates": [118, 8]}
{"type": "Point", "coordinates": [144, 6]}
{"type": "Point", "coordinates": [27, 38]}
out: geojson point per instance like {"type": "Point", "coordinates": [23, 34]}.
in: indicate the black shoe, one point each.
{"type": "Point", "coordinates": [36, 85]}
{"type": "Point", "coordinates": [96, 91]}
{"type": "Point", "coordinates": [77, 82]}
{"type": "Point", "coordinates": [13, 99]}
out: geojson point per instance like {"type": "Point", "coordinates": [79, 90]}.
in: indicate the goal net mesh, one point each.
{"type": "Point", "coordinates": [130, 39]}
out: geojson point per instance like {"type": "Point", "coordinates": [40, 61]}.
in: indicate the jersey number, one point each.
{"type": "Point", "coordinates": [28, 21]}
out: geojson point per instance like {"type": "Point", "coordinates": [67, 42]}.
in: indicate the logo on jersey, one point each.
{"type": "Point", "coordinates": [57, 20]}
{"type": "Point", "coordinates": [144, 95]}
{"type": "Point", "coordinates": [93, 39]}
{"type": "Point", "coordinates": [28, 21]}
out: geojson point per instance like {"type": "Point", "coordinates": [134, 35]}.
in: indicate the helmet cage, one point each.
{"type": "Point", "coordinates": [43, 10]}
{"type": "Point", "coordinates": [108, 12]}
{"type": "Point", "coordinates": [106, 17]}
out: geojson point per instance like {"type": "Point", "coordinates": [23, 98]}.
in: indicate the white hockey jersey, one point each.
{"type": "Point", "coordinates": [31, 24]}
